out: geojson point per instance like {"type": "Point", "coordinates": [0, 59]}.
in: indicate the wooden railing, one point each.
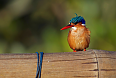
{"type": "Point", "coordinates": [81, 64]}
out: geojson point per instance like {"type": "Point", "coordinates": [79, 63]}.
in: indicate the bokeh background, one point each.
{"type": "Point", "coordinates": [27, 26]}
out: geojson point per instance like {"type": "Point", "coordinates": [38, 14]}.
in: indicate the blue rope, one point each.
{"type": "Point", "coordinates": [39, 65]}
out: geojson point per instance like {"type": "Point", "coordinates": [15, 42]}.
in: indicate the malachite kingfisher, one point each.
{"type": "Point", "coordinates": [79, 35]}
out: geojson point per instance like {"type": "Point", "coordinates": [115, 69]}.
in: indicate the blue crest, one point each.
{"type": "Point", "coordinates": [77, 19]}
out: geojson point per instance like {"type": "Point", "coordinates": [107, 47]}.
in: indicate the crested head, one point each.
{"type": "Point", "coordinates": [74, 21]}
{"type": "Point", "coordinates": [77, 20]}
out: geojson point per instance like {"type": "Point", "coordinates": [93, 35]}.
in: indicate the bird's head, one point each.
{"type": "Point", "coordinates": [74, 21]}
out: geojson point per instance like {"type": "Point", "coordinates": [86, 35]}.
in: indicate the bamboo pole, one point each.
{"type": "Point", "coordinates": [89, 64]}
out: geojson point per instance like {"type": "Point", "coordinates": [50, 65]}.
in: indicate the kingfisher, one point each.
{"type": "Point", "coordinates": [79, 35]}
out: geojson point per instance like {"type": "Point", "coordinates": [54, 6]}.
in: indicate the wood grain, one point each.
{"type": "Point", "coordinates": [88, 64]}
{"type": "Point", "coordinates": [107, 63]}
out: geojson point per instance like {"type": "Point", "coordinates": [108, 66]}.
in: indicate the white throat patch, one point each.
{"type": "Point", "coordinates": [74, 28]}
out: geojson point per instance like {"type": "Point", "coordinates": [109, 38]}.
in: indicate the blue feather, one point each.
{"type": "Point", "coordinates": [77, 19]}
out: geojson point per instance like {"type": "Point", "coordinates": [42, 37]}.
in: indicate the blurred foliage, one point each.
{"type": "Point", "coordinates": [27, 26]}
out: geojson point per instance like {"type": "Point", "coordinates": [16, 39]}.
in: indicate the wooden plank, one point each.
{"type": "Point", "coordinates": [18, 65]}
{"type": "Point", "coordinates": [70, 65]}
{"type": "Point", "coordinates": [107, 63]}
{"type": "Point", "coordinates": [89, 64]}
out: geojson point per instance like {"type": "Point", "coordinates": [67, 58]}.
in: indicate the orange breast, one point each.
{"type": "Point", "coordinates": [79, 39]}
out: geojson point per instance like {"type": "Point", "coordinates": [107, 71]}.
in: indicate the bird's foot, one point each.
{"type": "Point", "coordinates": [84, 49]}
{"type": "Point", "coordinates": [74, 50]}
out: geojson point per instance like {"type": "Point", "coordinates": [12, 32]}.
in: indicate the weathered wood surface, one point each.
{"type": "Point", "coordinates": [89, 64]}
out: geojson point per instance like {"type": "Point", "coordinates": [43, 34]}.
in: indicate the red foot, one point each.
{"type": "Point", "coordinates": [74, 51]}
{"type": "Point", "coordinates": [84, 49]}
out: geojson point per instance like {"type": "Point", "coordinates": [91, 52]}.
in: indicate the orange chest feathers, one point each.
{"type": "Point", "coordinates": [79, 38]}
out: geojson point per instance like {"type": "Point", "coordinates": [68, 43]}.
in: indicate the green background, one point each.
{"type": "Point", "coordinates": [27, 26]}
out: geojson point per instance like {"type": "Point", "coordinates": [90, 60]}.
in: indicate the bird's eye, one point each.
{"type": "Point", "coordinates": [76, 23]}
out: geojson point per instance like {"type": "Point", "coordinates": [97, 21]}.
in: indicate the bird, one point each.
{"type": "Point", "coordinates": [79, 35]}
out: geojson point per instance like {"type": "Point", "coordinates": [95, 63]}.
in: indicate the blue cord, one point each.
{"type": "Point", "coordinates": [39, 65]}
